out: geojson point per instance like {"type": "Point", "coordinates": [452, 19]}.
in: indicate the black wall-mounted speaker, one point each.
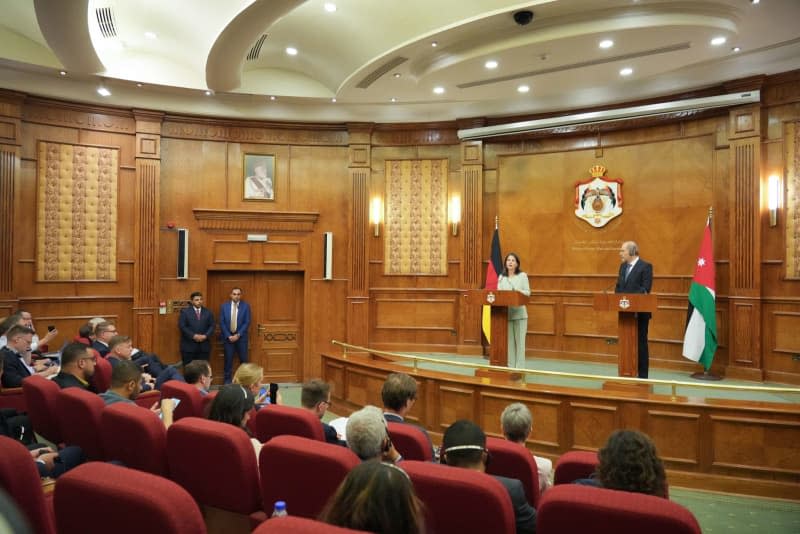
{"type": "Point", "coordinates": [183, 253]}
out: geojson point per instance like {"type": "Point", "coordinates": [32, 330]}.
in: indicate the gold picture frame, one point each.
{"type": "Point", "coordinates": [258, 177]}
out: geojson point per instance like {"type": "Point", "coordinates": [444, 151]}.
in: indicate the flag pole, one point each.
{"type": "Point", "coordinates": [705, 374]}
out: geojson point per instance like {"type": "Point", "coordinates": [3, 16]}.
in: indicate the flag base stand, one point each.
{"type": "Point", "coordinates": [705, 375]}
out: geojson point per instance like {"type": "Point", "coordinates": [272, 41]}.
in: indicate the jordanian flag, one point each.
{"type": "Point", "coordinates": [700, 340]}
{"type": "Point", "coordinates": [495, 268]}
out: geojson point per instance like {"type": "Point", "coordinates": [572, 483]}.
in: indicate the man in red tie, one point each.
{"type": "Point", "coordinates": [196, 323]}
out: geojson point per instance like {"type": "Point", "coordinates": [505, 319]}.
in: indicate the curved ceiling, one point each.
{"type": "Point", "coordinates": [381, 60]}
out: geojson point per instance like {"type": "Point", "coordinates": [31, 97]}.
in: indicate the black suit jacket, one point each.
{"type": "Point", "coordinates": [14, 370]}
{"type": "Point", "coordinates": [191, 325]}
{"type": "Point", "coordinates": [524, 514]}
{"type": "Point", "coordinates": [100, 347]}
{"type": "Point", "coordinates": [394, 418]}
{"type": "Point", "coordinates": [639, 281]}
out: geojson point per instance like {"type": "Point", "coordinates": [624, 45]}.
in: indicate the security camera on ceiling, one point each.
{"type": "Point", "coordinates": [523, 18]}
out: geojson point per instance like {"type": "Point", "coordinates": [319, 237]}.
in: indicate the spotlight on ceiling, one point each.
{"type": "Point", "coordinates": [103, 91]}
{"type": "Point", "coordinates": [627, 71]}
{"type": "Point", "coordinates": [606, 43]}
{"type": "Point", "coordinates": [491, 64]}
{"type": "Point", "coordinates": [523, 89]}
{"type": "Point", "coordinates": [438, 90]}
{"type": "Point", "coordinates": [716, 41]}
{"type": "Point", "coordinates": [330, 7]}
{"type": "Point", "coordinates": [292, 51]}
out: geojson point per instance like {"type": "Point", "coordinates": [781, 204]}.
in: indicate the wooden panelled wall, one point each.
{"type": "Point", "coordinates": [186, 172]}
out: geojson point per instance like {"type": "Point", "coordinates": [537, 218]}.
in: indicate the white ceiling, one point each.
{"type": "Point", "coordinates": [203, 45]}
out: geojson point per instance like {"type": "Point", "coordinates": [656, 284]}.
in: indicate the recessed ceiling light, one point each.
{"type": "Point", "coordinates": [292, 51]}
{"type": "Point", "coordinates": [208, 92]}
{"type": "Point", "coordinates": [491, 64]}
{"type": "Point", "coordinates": [330, 7]}
{"type": "Point", "coordinates": [434, 44]}
{"type": "Point", "coordinates": [523, 89]}
{"type": "Point", "coordinates": [606, 43]}
{"type": "Point", "coordinates": [394, 99]}
{"type": "Point", "coordinates": [716, 41]}
{"type": "Point", "coordinates": [272, 97]}
{"type": "Point", "coordinates": [627, 71]}
{"type": "Point", "coordinates": [396, 74]}
{"type": "Point", "coordinates": [755, 1]}
{"type": "Point", "coordinates": [139, 84]}
{"type": "Point", "coordinates": [736, 49]}
{"type": "Point", "coordinates": [62, 72]}
{"type": "Point", "coordinates": [333, 100]}
{"type": "Point", "coordinates": [151, 35]}
{"type": "Point", "coordinates": [438, 90]}
{"type": "Point", "coordinates": [103, 91]}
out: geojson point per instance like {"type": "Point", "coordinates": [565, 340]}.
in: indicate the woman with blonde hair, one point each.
{"type": "Point", "coordinates": [251, 376]}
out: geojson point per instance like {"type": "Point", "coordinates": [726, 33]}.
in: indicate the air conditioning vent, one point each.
{"type": "Point", "coordinates": [372, 77]}
{"type": "Point", "coordinates": [105, 20]}
{"type": "Point", "coordinates": [256, 50]}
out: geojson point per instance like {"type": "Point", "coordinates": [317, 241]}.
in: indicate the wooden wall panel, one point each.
{"type": "Point", "coordinates": [761, 445]}
{"type": "Point", "coordinates": [676, 435]}
{"type": "Point", "coordinates": [592, 422]}
{"type": "Point", "coordinates": [9, 165]}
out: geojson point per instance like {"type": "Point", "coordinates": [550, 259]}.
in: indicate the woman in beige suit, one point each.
{"type": "Point", "coordinates": [515, 280]}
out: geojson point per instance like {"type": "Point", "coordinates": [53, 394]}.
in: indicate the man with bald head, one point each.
{"type": "Point", "coordinates": [636, 276]}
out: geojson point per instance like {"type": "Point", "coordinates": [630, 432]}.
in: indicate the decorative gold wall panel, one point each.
{"type": "Point", "coordinates": [76, 229]}
{"type": "Point", "coordinates": [416, 217]}
{"type": "Point", "coordinates": [792, 203]}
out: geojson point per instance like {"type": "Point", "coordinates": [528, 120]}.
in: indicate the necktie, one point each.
{"type": "Point", "coordinates": [197, 311]}
{"type": "Point", "coordinates": [628, 272]}
{"type": "Point", "coordinates": [234, 313]}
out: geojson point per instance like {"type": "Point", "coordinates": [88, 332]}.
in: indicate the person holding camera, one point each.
{"type": "Point", "coordinates": [368, 437]}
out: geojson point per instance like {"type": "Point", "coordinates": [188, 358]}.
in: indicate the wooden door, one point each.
{"type": "Point", "coordinates": [276, 327]}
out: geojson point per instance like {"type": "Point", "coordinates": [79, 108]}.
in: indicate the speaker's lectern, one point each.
{"type": "Point", "coordinates": [626, 305]}
{"type": "Point", "coordinates": [499, 301]}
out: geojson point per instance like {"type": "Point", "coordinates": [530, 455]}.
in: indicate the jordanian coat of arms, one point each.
{"type": "Point", "coordinates": [598, 199]}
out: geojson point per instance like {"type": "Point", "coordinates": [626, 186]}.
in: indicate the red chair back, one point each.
{"type": "Point", "coordinates": [512, 460]}
{"type": "Point", "coordinates": [277, 420]}
{"type": "Point", "coordinates": [573, 465]}
{"type": "Point", "coordinates": [576, 508]}
{"type": "Point", "coordinates": [102, 375]}
{"type": "Point", "coordinates": [20, 479]}
{"type": "Point", "coordinates": [191, 400]}
{"type": "Point", "coordinates": [461, 500]}
{"type": "Point", "coordinates": [136, 437]}
{"type": "Point", "coordinates": [123, 501]}
{"type": "Point", "coordinates": [410, 441]}
{"type": "Point", "coordinates": [79, 413]}
{"type": "Point", "coordinates": [299, 525]}
{"type": "Point", "coordinates": [41, 398]}
{"type": "Point", "coordinates": [13, 398]}
{"type": "Point", "coordinates": [215, 463]}
{"type": "Point", "coordinates": [285, 459]}
{"type": "Point", "coordinates": [148, 398]}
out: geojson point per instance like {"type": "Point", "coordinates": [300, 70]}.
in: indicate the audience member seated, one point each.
{"type": "Point", "coordinates": [6, 324]}
{"type": "Point", "coordinates": [316, 398]}
{"type": "Point", "coordinates": [84, 335]}
{"type": "Point", "coordinates": [38, 345]}
{"type": "Point", "coordinates": [376, 497]}
{"type": "Point", "coordinates": [251, 376]}
{"type": "Point", "coordinates": [464, 445]}
{"type": "Point", "coordinates": [126, 386]}
{"type": "Point", "coordinates": [103, 332]}
{"type": "Point", "coordinates": [121, 348]}
{"type": "Point", "coordinates": [517, 423]}
{"type": "Point", "coordinates": [233, 405]}
{"type": "Point", "coordinates": [198, 373]}
{"type": "Point", "coordinates": [399, 393]}
{"type": "Point", "coordinates": [368, 438]}
{"type": "Point", "coordinates": [18, 364]}
{"type": "Point", "coordinates": [629, 462]}
{"type": "Point", "coordinates": [77, 367]}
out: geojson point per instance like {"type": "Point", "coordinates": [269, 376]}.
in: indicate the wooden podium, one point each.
{"type": "Point", "coordinates": [499, 301]}
{"type": "Point", "coordinates": [626, 304]}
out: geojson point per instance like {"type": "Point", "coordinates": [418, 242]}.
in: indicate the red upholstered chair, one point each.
{"type": "Point", "coordinates": [277, 419]}
{"type": "Point", "coordinates": [136, 437]}
{"type": "Point", "coordinates": [287, 459]}
{"type": "Point", "coordinates": [410, 441]}
{"type": "Point", "coordinates": [123, 501]}
{"type": "Point", "coordinates": [573, 465]}
{"type": "Point", "coordinates": [216, 464]}
{"type": "Point", "coordinates": [576, 508]}
{"type": "Point", "coordinates": [148, 398]}
{"type": "Point", "coordinates": [12, 398]}
{"type": "Point", "coordinates": [299, 525]}
{"type": "Point", "coordinates": [512, 460]}
{"type": "Point", "coordinates": [20, 478]}
{"type": "Point", "coordinates": [101, 380]}
{"type": "Point", "coordinates": [79, 413]}
{"type": "Point", "coordinates": [41, 398]}
{"type": "Point", "coordinates": [461, 500]}
{"type": "Point", "coordinates": [191, 400]}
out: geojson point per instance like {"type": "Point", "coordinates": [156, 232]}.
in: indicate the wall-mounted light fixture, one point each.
{"type": "Point", "coordinates": [454, 213]}
{"type": "Point", "coordinates": [773, 198]}
{"type": "Point", "coordinates": [376, 215]}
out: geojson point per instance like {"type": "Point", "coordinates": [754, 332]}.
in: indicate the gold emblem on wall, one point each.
{"type": "Point", "coordinates": [598, 199]}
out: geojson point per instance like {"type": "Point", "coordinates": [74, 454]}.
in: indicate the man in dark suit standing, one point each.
{"type": "Point", "coordinates": [234, 320]}
{"type": "Point", "coordinates": [196, 323]}
{"type": "Point", "coordinates": [636, 276]}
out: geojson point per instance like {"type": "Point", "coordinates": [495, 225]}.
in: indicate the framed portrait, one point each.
{"type": "Point", "coordinates": [258, 177]}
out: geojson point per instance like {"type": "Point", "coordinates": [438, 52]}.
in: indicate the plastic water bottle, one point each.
{"type": "Point", "coordinates": [280, 509]}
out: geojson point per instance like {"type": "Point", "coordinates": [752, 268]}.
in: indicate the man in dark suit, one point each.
{"type": "Point", "coordinates": [464, 445]}
{"type": "Point", "coordinates": [399, 393]}
{"type": "Point", "coordinates": [636, 276]}
{"type": "Point", "coordinates": [196, 323]}
{"type": "Point", "coordinates": [315, 396]}
{"type": "Point", "coordinates": [16, 356]}
{"type": "Point", "coordinates": [234, 320]}
{"type": "Point", "coordinates": [103, 333]}
{"type": "Point", "coordinates": [78, 365]}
